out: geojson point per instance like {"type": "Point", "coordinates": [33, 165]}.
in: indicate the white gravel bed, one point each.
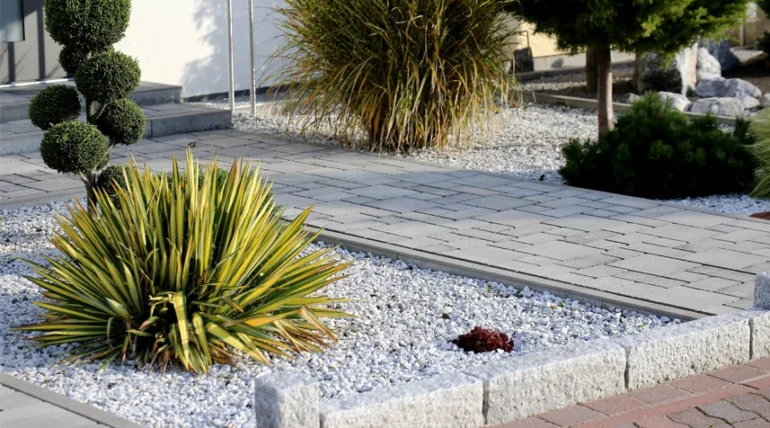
{"type": "Point", "coordinates": [405, 317]}
{"type": "Point", "coordinates": [523, 142]}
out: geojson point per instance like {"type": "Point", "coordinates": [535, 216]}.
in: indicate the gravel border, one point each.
{"type": "Point", "coordinates": [536, 383]}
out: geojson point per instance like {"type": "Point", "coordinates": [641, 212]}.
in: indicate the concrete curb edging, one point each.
{"type": "Point", "coordinates": [534, 383]}
{"type": "Point", "coordinates": [444, 401]}
{"type": "Point", "coordinates": [551, 379]}
{"type": "Point", "coordinates": [66, 403]}
{"type": "Point", "coordinates": [285, 400]}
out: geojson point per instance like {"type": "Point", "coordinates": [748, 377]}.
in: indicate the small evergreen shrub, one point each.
{"type": "Point", "coordinates": [88, 25]}
{"type": "Point", "coordinates": [54, 105]}
{"type": "Point", "coordinates": [75, 148]}
{"type": "Point", "coordinates": [122, 121]}
{"type": "Point", "coordinates": [86, 29]}
{"type": "Point", "coordinates": [110, 178]}
{"type": "Point", "coordinates": [655, 151]}
{"type": "Point", "coordinates": [108, 76]}
{"type": "Point", "coordinates": [763, 43]}
{"type": "Point", "coordinates": [189, 276]}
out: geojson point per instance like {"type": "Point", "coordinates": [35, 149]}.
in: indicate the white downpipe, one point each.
{"type": "Point", "coordinates": [230, 55]}
{"type": "Point", "coordinates": [253, 89]}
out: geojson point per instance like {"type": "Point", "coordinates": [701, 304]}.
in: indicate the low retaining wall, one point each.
{"type": "Point", "coordinates": [524, 386]}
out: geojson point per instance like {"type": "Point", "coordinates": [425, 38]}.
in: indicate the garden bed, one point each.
{"type": "Point", "coordinates": [405, 320]}
{"type": "Point", "coordinates": [525, 142]}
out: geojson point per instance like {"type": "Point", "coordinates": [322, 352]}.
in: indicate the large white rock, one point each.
{"type": "Point", "coordinates": [287, 400]}
{"type": "Point", "coordinates": [719, 106]}
{"type": "Point", "coordinates": [720, 88]}
{"type": "Point", "coordinates": [628, 98]}
{"type": "Point", "coordinates": [750, 102]}
{"type": "Point", "coordinates": [446, 401]}
{"type": "Point", "coordinates": [765, 100]}
{"type": "Point", "coordinates": [708, 66]}
{"type": "Point", "coordinates": [674, 352]}
{"type": "Point", "coordinates": [679, 77]}
{"type": "Point", "coordinates": [551, 379]}
{"type": "Point", "coordinates": [677, 101]}
{"type": "Point", "coordinates": [722, 52]}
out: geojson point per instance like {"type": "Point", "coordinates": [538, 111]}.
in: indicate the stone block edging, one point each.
{"type": "Point", "coordinates": [541, 381]}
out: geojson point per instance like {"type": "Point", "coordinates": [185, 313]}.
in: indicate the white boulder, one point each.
{"type": "Point", "coordinates": [708, 67]}
{"type": "Point", "coordinates": [628, 98]}
{"type": "Point", "coordinates": [750, 103]}
{"type": "Point", "coordinates": [677, 101]}
{"type": "Point", "coordinates": [680, 76]}
{"type": "Point", "coordinates": [719, 106]}
{"type": "Point", "coordinates": [721, 88]}
{"type": "Point", "coordinates": [765, 100]}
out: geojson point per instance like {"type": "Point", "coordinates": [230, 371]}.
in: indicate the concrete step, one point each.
{"type": "Point", "coordinates": [20, 136]}
{"type": "Point", "coordinates": [14, 102]}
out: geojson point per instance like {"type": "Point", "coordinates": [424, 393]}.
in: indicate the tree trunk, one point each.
{"type": "Point", "coordinates": [90, 111]}
{"type": "Point", "coordinates": [640, 64]}
{"type": "Point", "coordinates": [606, 114]}
{"type": "Point", "coordinates": [90, 182]}
{"type": "Point", "coordinates": [592, 74]}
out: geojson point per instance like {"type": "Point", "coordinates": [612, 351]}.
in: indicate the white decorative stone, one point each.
{"type": "Point", "coordinates": [628, 98]}
{"type": "Point", "coordinates": [679, 76]}
{"type": "Point", "coordinates": [286, 400]}
{"type": "Point", "coordinates": [677, 101]}
{"type": "Point", "coordinates": [543, 381]}
{"type": "Point", "coordinates": [718, 106]}
{"type": "Point", "coordinates": [750, 103]}
{"type": "Point", "coordinates": [686, 349]}
{"type": "Point", "coordinates": [759, 321]}
{"type": "Point", "coordinates": [708, 66]}
{"type": "Point", "coordinates": [732, 88]}
{"type": "Point", "coordinates": [765, 100]}
{"type": "Point", "coordinates": [450, 400]}
{"type": "Point", "coordinates": [762, 291]}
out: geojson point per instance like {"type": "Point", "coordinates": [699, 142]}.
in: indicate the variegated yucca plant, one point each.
{"type": "Point", "coordinates": [185, 274]}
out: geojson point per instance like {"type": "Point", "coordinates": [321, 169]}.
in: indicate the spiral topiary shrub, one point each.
{"type": "Point", "coordinates": [122, 121]}
{"type": "Point", "coordinates": [75, 148]}
{"type": "Point", "coordinates": [655, 151]}
{"type": "Point", "coordinates": [108, 76]}
{"type": "Point", "coordinates": [54, 105]}
{"type": "Point", "coordinates": [86, 29]}
{"type": "Point", "coordinates": [88, 25]}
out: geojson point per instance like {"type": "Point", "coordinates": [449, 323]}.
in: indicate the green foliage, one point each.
{"type": "Point", "coordinates": [656, 152]}
{"type": "Point", "coordinates": [75, 148]}
{"type": "Point", "coordinates": [53, 105]}
{"type": "Point", "coordinates": [71, 58]}
{"type": "Point", "coordinates": [186, 275]}
{"type": "Point", "coordinates": [763, 43]}
{"type": "Point", "coordinates": [87, 25]}
{"type": "Point", "coordinates": [409, 73]}
{"type": "Point", "coordinates": [663, 26]}
{"type": "Point", "coordinates": [109, 180]}
{"type": "Point", "coordinates": [122, 121]}
{"type": "Point", "coordinates": [108, 76]}
{"type": "Point", "coordinates": [760, 128]}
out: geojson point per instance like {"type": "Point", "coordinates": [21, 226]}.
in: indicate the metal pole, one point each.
{"type": "Point", "coordinates": [231, 93]}
{"type": "Point", "coordinates": [253, 90]}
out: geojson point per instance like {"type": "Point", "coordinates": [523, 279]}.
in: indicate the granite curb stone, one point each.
{"type": "Point", "coordinates": [762, 291]}
{"type": "Point", "coordinates": [287, 400]}
{"type": "Point", "coordinates": [551, 379]}
{"type": "Point", "coordinates": [682, 350]}
{"type": "Point", "coordinates": [452, 400]}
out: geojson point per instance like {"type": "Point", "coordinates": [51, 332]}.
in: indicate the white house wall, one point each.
{"type": "Point", "coordinates": [184, 42]}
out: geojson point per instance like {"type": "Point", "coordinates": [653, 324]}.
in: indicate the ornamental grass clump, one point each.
{"type": "Point", "coordinates": [185, 275]}
{"type": "Point", "coordinates": [407, 73]}
{"type": "Point", "coordinates": [760, 129]}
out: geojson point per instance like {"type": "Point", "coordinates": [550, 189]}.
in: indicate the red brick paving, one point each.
{"type": "Point", "coordinates": [733, 397]}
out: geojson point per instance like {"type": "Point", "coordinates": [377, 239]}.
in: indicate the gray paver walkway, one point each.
{"type": "Point", "coordinates": [641, 249]}
{"type": "Point", "coordinates": [23, 405]}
